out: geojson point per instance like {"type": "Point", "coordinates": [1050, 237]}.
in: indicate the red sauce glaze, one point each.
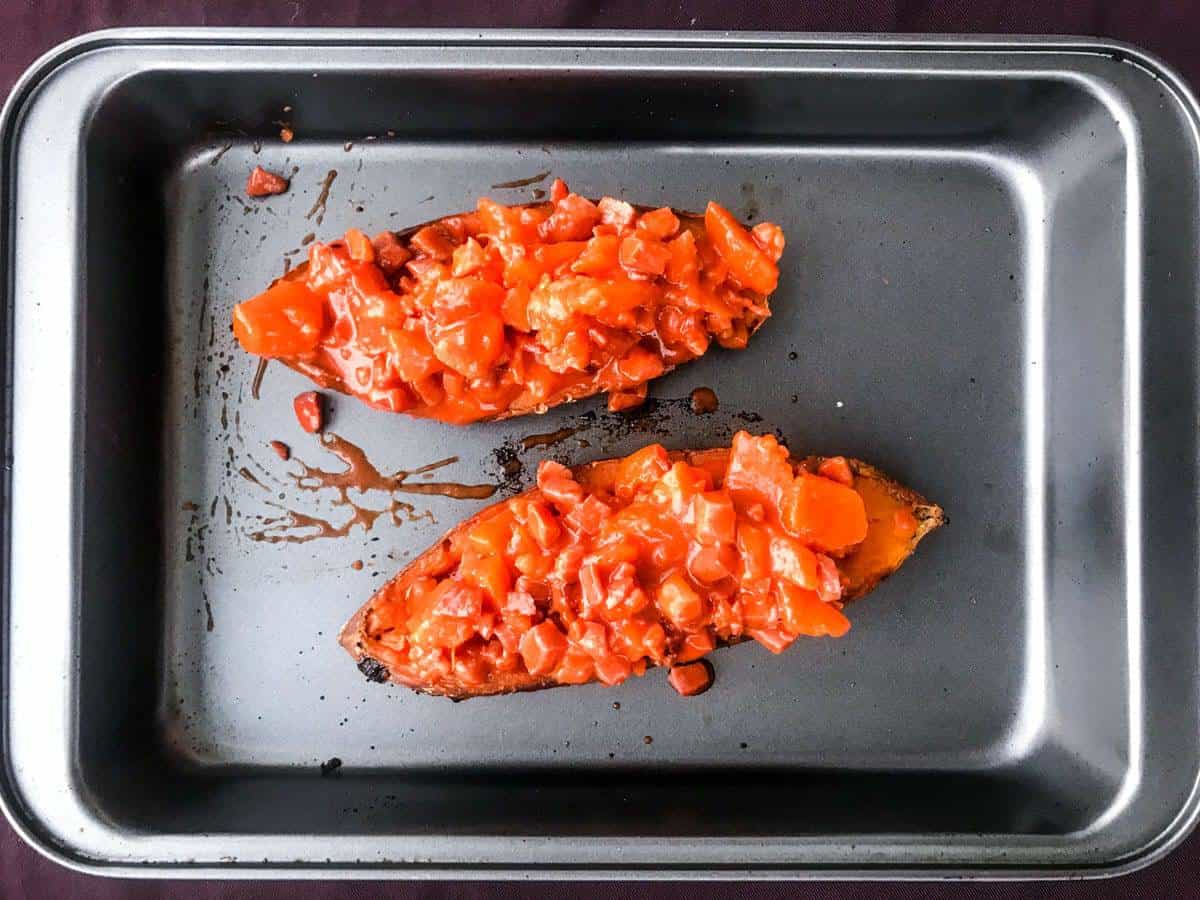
{"type": "Point", "coordinates": [640, 561]}
{"type": "Point", "coordinates": [514, 309]}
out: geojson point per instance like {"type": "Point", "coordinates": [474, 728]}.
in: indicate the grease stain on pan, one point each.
{"type": "Point", "coordinates": [360, 475]}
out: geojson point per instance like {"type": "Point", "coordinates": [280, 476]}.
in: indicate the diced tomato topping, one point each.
{"type": "Point", "coordinates": [793, 562]}
{"type": "Point", "coordinates": [759, 471]}
{"type": "Point", "coordinates": [542, 648]}
{"type": "Point", "coordinates": [359, 246]}
{"type": "Point", "coordinates": [747, 262]}
{"type": "Point", "coordinates": [572, 220]}
{"type": "Point", "coordinates": [696, 645]}
{"type": "Point", "coordinates": [804, 613]}
{"type": "Point", "coordinates": [616, 213]}
{"type": "Point", "coordinates": [600, 255]}
{"type": "Point", "coordinates": [827, 515]}
{"type": "Point", "coordinates": [287, 319]}
{"type": "Point", "coordinates": [773, 639]}
{"type": "Point", "coordinates": [644, 255]}
{"type": "Point", "coordinates": [641, 469]}
{"type": "Point", "coordinates": [577, 667]}
{"type": "Point", "coordinates": [390, 253]}
{"type": "Point", "coordinates": [489, 573]}
{"type": "Point", "coordinates": [769, 238]}
{"type": "Point", "coordinates": [713, 518]}
{"type": "Point", "coordinates": [559, 486]}
{"type": "Point", "coordinates": [659, 223]}
{"type": "Point", "coordinates": [679, 601]}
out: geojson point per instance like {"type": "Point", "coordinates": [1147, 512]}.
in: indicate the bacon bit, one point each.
{"type": "Point", "coordinates": [310, 411]}
{"type": "Point", "coordinates": [282, 450]}
{"type": "Point", "coordinates": [286, 134]}
{"type": "Point", "coordinates": [691, 679]}
{"type": "Point", "coordinates": [262, 183]}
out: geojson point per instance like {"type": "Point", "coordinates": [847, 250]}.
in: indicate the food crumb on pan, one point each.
{"type": "Point", "coordinates": [286, 134]}
{"type": "Point", "coordinates": [373, 669]}
{"type": "Point", "coordinates": [691, 679]}
{"type": "Point", "coordinates": [703, 401]}
{"type": "Point", "coordinates": [310, 411]}
{"type": "Point", "coordinates": [357, 565]}
{"type": "Point", "coordinates": [282, 450]}
{"type": "Point", "coordinates": [647, 740]}
{"type": "Point", "coordinates": [330, 766]}
{"type": "Point", "coordinates": [263, 183]}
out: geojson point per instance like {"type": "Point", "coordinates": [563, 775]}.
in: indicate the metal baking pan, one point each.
{"type": "Point", "coordinates": [990, 292]}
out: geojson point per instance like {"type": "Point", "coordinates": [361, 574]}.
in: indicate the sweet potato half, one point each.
{"type": "Point", "coordinates": [509, 310]}
{"type": "Point", "coordinates": [613, 567]}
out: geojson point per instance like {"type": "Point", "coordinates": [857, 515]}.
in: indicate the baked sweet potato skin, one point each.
{"type": "Point", "coordinates": [877, 557]}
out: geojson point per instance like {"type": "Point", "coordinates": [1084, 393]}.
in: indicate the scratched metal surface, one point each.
{"type": "Point", "coordinates": [959, 305]}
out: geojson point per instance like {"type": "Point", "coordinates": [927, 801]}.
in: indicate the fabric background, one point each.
{"type": "Point", "coordinates": [1169, 29]}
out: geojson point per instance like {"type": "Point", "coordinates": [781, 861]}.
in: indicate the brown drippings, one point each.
{"type": "Point", "coordinates": [282, 450]}
{"type": "Point", "coordinates": [524, 182]}
{"type": "Point", "coordinates": [256, 384]}
{"type": "Point", "coordinates": [549, 438]}
{"type": "Point", "coordinates": [216, 159]}
{"type": "Point", "coordinates": [362, 476]}
{"type": "Point", "coordinates": [293, 528]}
{"type": "Point", "coordinates": [704, 401]}
{"type": "Point", "coordinates": [209, 625]}
{"type": "Point", "coordinates": [189, 506]}
{"type": "Point", "coordinates": [318, 208]}
{"type": "Point", "coordinates": [251, 477]}
{"type": "Point", "coordinates": [307, 239]}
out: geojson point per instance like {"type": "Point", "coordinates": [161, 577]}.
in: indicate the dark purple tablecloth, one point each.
{"type": "Point", "coordinates": [1169, 29]}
